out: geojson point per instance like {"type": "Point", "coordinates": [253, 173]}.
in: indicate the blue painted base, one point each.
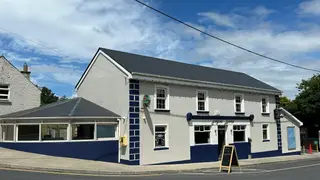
{"type": "Point", "coordinates": [273, 153]}
{"type": "Point", "coordinates": [94, 150]}
{"type": "Point", "coordinates": [204, 153]}
{"type": "Point", "coordinates": [127, 162]}
{"type": "Point", "coordinates": [243, 149]}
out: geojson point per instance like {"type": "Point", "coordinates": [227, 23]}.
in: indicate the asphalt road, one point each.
{"type": "Point", "coordinates": [306, 169]}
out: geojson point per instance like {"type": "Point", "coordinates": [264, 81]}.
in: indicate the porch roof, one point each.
{"type": "Point", "coordinates": [74, 108]}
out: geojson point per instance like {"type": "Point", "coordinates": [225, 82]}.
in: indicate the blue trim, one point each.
{"type": "Point", "coordinates": [162, 148]}
{"type": "Point", "coordinates": [266, 140]}
{"type": "Point", "coordinates": [127, 162]}
{"type": "Point", "coordinates": [210, 117]}
{"type": "Point", "coordinates": [106, 151]}
{"type": "Point", "coordinates": [243, 149]}
{"type": "Point", "coordinates": [273, 153]}
{"type": "Point", "coordinates": [174, 162]}
{"type": "Point", "coordinates": [134, 125]}
{"type": "Point", "coordinates": [204, 153]}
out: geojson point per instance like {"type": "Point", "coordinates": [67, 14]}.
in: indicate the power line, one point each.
{"type": "Point", "coordinates": [227, 42]}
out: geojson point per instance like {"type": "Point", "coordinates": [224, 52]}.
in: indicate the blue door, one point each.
{"type": "Point", "coordinates": [291, 138]}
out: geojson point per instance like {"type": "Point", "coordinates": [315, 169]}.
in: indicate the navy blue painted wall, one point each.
{"type": "Point", "coordinates": [273, 153]}
{"type": "Point", "coordinates": [243, 149]}
{"type": "Point", "coordinates": [95, 150]}
{"type": "Point", "coordinates": [204, 153]}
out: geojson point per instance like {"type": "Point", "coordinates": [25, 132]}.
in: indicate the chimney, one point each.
{"type": "Point", "coordinates": [25, 71]}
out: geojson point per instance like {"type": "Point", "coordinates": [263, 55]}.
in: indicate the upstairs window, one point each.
{"type": "Point", "coordinates": [202, 101]}
{"type": "Point", "coordinates": [239, 103]}
{"type": "Point", "coordinates": [4, 92]}
{"type": "Point", "coordinates": [162, 98]}
{"type": "Point", "coordinates": [264, 105]}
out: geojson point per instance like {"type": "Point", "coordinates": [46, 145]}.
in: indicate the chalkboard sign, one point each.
{"type": "Point", "coordinates": [229, 157]}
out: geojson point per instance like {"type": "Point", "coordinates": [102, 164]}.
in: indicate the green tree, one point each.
{"type": "Point", "coordinates": [63, 98]}
{"type": "Point", "coordinates": [308, 101]}
{"type": "Point", "coordinates": [47, 96]}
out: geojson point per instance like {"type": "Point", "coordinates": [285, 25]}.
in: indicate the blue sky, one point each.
{"type": "Point", "coordinates": [58, 38]}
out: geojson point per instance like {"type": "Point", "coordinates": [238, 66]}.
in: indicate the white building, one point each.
{"type": "Point", "coordinates": [17, 92]}
{"type": "Point", "coordinates": [193, 110]}
{"type": "Point", "coordinates": [164, 112]}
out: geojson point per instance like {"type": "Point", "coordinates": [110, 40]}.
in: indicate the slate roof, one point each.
{"type": "Point", "coordinates": [77, 107]}
{"type": "Point", "coordinates": [155, 66]}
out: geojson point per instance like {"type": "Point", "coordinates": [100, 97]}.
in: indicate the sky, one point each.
{"type": "Point", "coordinates": [58, 38]}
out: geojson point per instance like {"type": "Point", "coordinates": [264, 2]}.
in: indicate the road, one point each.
{"type": "Point", "coordinates": [306, 169]}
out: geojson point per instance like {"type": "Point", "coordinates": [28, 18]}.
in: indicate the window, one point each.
{"type": "Point", "coordinates": [161, 136]}
{"type": "Point", "coordinates": [4, 92]}
{"type": "Point", "coordinates": [82, 131]}
{"type": "Point", "coordinates": [106, 131]}
{"type": "Point", "coordinates": [202, 101]}
{"type": "Point", "coordinates": [265, 131]}
{"type": "Point", "coordinates": [28, 132]}
{"type": "Point", "coordinates": [7, 132]}
{"type": "Point", "coordinates": [239, 104]}
{"type": "Point", "coordinates": [162, 101]}
{"type": "Point", "coordinates": [264, 105]}
{"type": "Point", "coordinates": [239, 133]}
{"type": "Point", "coordinates": [202, 134]}
{"type": "Point", "coordinates": [55, 132]}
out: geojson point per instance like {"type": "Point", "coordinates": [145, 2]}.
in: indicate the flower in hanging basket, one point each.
{"type": "Point", "coordinates": [146, 100]}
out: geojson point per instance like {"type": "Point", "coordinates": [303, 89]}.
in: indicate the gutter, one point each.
{"type": "Point", "coordinates": [59, 118]}
{"type": "Point", "coordinates": [149, 77]}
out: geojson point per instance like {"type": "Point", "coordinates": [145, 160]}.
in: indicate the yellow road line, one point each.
{"type": "Point", "coordinates": [74, 174]}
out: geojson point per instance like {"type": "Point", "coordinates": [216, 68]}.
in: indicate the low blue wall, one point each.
{"type": "Point", "coordinates": [243, 149]}
{"type": "Point", "coordinates": [204, 153]}
{"type": "Point", "coordinates": [91, 150]}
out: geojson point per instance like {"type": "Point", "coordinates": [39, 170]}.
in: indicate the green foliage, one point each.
{"type": "Point", "coordinates": [47, 96]}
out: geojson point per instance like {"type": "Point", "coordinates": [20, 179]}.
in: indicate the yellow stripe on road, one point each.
{"type": "Point", "coordinates": [75, 174]}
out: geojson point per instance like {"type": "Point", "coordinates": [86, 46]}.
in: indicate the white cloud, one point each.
{"type": "Point", "coordinates": [262, 11]}
{"type": "Point", "coordinates": [77, 28]}
{"type": "Point", "coordinates": [219, 19]}
{"type": "Point", "coordinates": [310, 7]}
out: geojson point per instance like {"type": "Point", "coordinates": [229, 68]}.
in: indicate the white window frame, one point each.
{"type": "Point", "coordinates": [94, 132]}
{"type": "Point", "coordinates": [267, 104]}
{"type": "Point", "coordinates": [210, 134]}
{"type": "Point", "coordinates": [206, 101]}
{"type": "Point", "coordinates": [166, 98]}
{"type": "Point", "coordinates": [242, 103]}
{"type": "Point", "coordinates": [14, 133]}
{"type": "Point", "coordinates": [166, 136]}
{"type": "Point", "coordinates": [68, 132]}
{"type": "Point", "coordinates": [106, 123]}
{"type": "Point", "coordinates": [8, 95]}
{"type": "Point", "coordinates": [25, 124]}
{"type": "Point", "coordinates": [245, 132]}
{"type": "Point", "coordinates": [268, 132]}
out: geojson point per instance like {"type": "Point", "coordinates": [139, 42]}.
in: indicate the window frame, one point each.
{"type": "Point", "coordinates": [54, 123]}
{"type": "Point", "coordinates": [244, 130]}
{"type": "Point", "coordinates": [166, 136]}
{"type": "Point", "coordinates": [210, 134]}
{"type": "Point", "coordinates": [14, 132]}
{"type": "Point", "coordinates": [26, 124]}
{"type": "Point", "coordinates": [109, 138]}
{"type": "Point", "coordinates": [267, 105]}
{"type": "Point", "coordinates": [242, 103]}
{"type": "Point", "coordinates": [268, 132]}
{"type": "Point", "coordinates": [94, 131]}
{"type": "Point", "coordinates": [206, 101]}
{"type": "Point", "coordinates": [167, 95]}
{"type": "Point", "coordinates": [8, 95]}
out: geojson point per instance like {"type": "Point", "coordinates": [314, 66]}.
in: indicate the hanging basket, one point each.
{"type": "Point", "coordinates": [146, 100]}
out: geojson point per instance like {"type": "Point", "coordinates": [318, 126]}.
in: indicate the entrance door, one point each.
{"type": "Point", "coordinates": [291, 138]}
{"type": "Point", "coordinates": [221, 139]}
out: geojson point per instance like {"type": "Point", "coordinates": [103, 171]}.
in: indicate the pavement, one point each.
{"type": "Point", "coordinates": [18, 160]}
{"type": "Point", "coordinates": [296, 169]}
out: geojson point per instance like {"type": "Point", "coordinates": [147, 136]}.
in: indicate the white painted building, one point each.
{"type": "Point", "coordinates": [193, 110]}
{"type": "Point", "coordinates": [17, 92]}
